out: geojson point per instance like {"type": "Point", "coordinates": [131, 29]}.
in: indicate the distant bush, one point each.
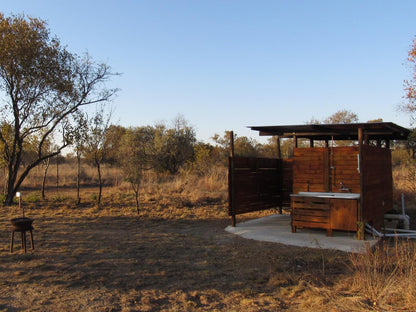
{"type": "Point", "coordinates": [33, 197]}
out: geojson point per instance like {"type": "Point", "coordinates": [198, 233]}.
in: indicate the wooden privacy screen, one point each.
{"type": "Point", "coordinates": [323, 169]}
{"type": "Point", "coordinates": [258, 183]}
{"type": "Point", "coordinates": [310, 170]}
{"type": "Point", "coordinates": [377, 184]}
{"type": "Point", "coordinates": [344, 162]}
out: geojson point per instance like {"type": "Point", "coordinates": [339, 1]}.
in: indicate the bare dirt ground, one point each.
{"type": "Point", "coordinates": [112, 259]}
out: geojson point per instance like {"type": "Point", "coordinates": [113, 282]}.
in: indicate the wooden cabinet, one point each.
{"type": "Point", "coordinates": [325, 213]}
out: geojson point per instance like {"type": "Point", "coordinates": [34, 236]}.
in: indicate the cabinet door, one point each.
{"type": "Point", "coordinates": [344, 214]}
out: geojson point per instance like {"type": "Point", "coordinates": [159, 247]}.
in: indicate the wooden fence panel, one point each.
{"type": "Point", "coordinates": [258, 184]}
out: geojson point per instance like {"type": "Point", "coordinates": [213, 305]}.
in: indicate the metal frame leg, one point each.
{"type": "Point", "coordinates": [32, 244]}
{"type": "Point", "coordinates": [23, 239]}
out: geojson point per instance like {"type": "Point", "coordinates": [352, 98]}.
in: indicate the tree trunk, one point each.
{"type": "Point", "coordinates": [11, 181]}
{"type": "Point", "coordinates": [137, 201]}
{"type": "Point", "coordinates": [136, 189]}
{"type": "Point", "coordinates": [47, 161]}
{"type": "Point", "coordinates": [100, 183]}
{"type": "Point", "coordinates": [9, 198]}
{"type": "Point", "coordinates": [78, 177]}
{"type": "Point", "coordinates": [5, 181]}
{"type": "Point", "coordinates": [57, 174]}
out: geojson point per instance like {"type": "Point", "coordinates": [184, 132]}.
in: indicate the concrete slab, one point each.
{"type": "Point", "coordinates": [276, 228]}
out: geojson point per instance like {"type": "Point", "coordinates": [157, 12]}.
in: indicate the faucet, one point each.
{"type": "Point", "coordinates": [343, 188]}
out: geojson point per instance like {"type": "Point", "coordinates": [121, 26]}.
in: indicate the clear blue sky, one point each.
{"type": "Point", "coordinates": [226, 65]}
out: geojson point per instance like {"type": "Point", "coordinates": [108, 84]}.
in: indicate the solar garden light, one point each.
{"type": "Point", "coordinates": [19, 196]}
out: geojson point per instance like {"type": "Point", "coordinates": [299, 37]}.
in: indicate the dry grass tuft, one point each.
{"type": "Point", "coordinates": [386, 275]}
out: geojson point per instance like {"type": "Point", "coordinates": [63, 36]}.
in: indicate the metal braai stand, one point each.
{"type": "Point", "coordinates": [22, 225]}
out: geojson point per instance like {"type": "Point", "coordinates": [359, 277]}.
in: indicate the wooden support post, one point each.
{"type": "Point", "coordinates": [361, 221]}
{"type": "Point", "coordinates": [280, 173]}
{"type": "Point", "coordinates": [279, 152]}
{"type": "Point", "coordinates": [232, 143]}
{"type": "Point", "coordinates": [295, 141]}
{"type": "Point", "coordinates": [311, 142]}
{"type": "Point", "coordinates": [231, 180]}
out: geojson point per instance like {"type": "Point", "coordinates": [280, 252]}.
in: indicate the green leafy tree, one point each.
{"type": "Point", "coordinates": [113, 143]}
{"type": "Point", "coordinates": [342, 116]}
{"type": "Point", "coordinates": [206, 157]}
{"type": "Point", "coordinates": [270, 148]}
{"type": "Point", "coordinates": [339, 117]}
{"type": "Point", "coordinates": [243, 146]}
{"type": "Point", "coordinates": [174, 146]}
{"type": "Point", "coordinates": [43, 86]}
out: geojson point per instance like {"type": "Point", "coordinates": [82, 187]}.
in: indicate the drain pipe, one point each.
{"type": "Point", "coordinates": [403, 233]}
{"type": "Point", "coordinates": [403, 217]}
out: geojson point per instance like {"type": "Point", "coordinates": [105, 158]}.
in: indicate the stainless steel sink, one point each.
{"type": "Point", "coordinates": [328, 195]}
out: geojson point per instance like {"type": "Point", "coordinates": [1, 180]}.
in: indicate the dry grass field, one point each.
{"type": "Point", "coordinates": [175, 256]}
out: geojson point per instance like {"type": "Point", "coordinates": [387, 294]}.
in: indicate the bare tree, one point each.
{"type": "Point", "coordinates": [95, 144]}
{"type": "Point", "coordinates": [44, 87]}
{"type": "Point", "coordinates": [138, 154]}
{"type": "Point", "coordinates": [410, 84]}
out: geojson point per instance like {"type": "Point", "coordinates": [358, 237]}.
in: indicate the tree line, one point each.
{"type": "Point", "coordinates": [163, 149]}
{"type": "Point", "coordinates": [45, 90]}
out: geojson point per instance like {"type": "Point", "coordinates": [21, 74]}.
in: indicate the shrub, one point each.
{"type": "Point", "coordinates": [386, 275]}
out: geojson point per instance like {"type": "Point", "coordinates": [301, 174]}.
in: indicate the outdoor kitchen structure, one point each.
{"type": "Point", "coordinates": [339, 177]}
